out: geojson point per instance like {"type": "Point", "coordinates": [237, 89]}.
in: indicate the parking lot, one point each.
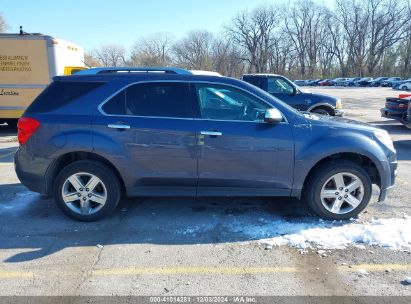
{"type": "Point", "coordinates": [153, 246]}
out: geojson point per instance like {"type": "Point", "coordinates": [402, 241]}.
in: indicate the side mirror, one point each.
{"type": "Point", "coordinates": [273, 116]}
{"type": "Point", "coordinates": [295, 91]}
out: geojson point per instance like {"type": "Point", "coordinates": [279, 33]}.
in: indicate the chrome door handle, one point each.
{"type": "Point", "coordinates": [119, 126]}
{"type": "Point", "coordinates": [211, 133]}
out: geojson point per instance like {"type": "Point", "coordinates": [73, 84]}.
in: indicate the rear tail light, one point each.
{"type": "Point", "coordinates": [26, 128]}
{"type": "Point", "coordinates": [403, 106]}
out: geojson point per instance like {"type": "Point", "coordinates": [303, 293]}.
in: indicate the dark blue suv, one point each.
{"type": "Point", "coordinates": [91, 137]}
{"type": "Point", "coordinates": [295, 96]}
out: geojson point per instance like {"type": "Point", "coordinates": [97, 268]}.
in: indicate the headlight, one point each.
{"type": "Point", "coordinates": [385, 139]}
{"type": "Point", "coordinates": [338, 104]}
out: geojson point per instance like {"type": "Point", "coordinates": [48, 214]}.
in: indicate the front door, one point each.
{"type": "Point", "coordinates": [285, 91]}
{"type": "Point", "coordinates": [239, 153]}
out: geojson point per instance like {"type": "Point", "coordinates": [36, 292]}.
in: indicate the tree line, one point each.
{"type": "Point", "coordinates": [300, 39]}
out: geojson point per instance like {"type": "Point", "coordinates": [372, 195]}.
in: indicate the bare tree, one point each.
{"type": "Point", "coordinates": [91, 61]}
{"type": "Point", "coordinates": [226, 57]}
{"type": "Point", "coordinates": [3, 25]}
{"type": "Point", "coordinates": [155, 50]}
{"type": "Point", "coordinates": [194, 51]}
{"type": "Point", "coordinates": [110, 55]}
{"type": "Point", "coordinates": [305, 24]}
{"type": "Point", "coordinates": [254, 32]}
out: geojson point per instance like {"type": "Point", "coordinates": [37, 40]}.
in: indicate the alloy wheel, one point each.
{"type": "Point", "coordinates": [342, 193]}
{"type": "Point", "coordinates": [84, 193]}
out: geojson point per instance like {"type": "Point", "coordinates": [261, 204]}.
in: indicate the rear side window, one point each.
{"type": "Point", "coordinates": [256, 81]}
{"type": "Point", "coordinates": [152, 100]}
{"type": "Point", "coordinates": [59, 94]}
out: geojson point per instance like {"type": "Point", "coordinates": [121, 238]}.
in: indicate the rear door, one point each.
{"type": "Point", "coordinates": [148, 129]}
{"type": "Point", "coordinates": [239, 153]}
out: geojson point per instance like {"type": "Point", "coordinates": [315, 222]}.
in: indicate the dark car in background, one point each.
{"type": "Point", "coordinates": [396, 108]}
{"type": "Point", "coordinates": [363, 82]}
{"type": "Point", "coordinates": [407, 121]}
{"type": "Point", "coordinates": [299, 98]}
{"type": "Point", "coordinates": [351, 81]}
{"type": "Point", "coordinates": [377, 81]}
{"type": "Point", "coordinates": [389, 82]}
{"type": "Point", "coordinates": [167, 132]}
{"type": "Point", "coordinates": [315, 82]}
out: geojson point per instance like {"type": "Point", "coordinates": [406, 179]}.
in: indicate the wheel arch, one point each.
{"type": "Point", "coordinates": [326, 106]}
{"type": "Point", "coordinates": [364, 161]}
{"type": "Point", "coordinates": [71, 157]}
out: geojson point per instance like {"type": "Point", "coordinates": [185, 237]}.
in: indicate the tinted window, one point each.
{"type": "Point", "coordinates": [159, 100]}
{"type": "Point", "coordinates": [61, 93]}
{"type": "Point", "coordinates": [227, 103]}
{"type": "Point", "coordinates": [279, 86]}
{"type": "Point", "coordinates": [256, 81]}
{"type": "Point", "coordinates": [116, 105]}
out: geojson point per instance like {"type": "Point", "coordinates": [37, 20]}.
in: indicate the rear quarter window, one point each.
{"type": "Point", "coordinates": [59, 94]}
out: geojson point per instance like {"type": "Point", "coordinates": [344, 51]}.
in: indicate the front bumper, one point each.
{"type": "Point", "coordinates": [392, 175]}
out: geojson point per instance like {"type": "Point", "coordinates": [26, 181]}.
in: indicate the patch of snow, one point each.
{"type": "Point", "coordinates": [390, 233]}
{"type": "Point", "coordinates": [309, 233]}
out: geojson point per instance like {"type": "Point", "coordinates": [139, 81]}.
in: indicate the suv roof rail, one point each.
{"type": "Point", "coordinates": [96, 71]}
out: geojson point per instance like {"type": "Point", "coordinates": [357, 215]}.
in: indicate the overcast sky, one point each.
{"type": "Point", "coordinates": [91, 23]}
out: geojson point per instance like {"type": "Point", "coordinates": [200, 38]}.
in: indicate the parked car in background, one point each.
{"type": "Point", "coordinates": [396, 84]}
{"type": "Point", "coordinates": [390, 81]}
{"type": "Point", "coordinates": [395, 108]}
{"type": "Point", "coordinates": [406, 86]}
{"type": "Point", "coordinates": [325, 83]}
{"type": "Point", "coordinates": [363, 82]}
{"type": "Point", "coordinates": [299, 98]}
{"type": "Point", "coordinates": [407, 121]}
{"type": "Point", "coordinates": [300, 82]}
{"type": "Point", "coordinates": [339, 82]}
{"type": "Point", "coordinates": [377, 81]}
{"type": "Point", "coordinates": [350, 82]}
{"type": "Point", "coordinates": [313, 83]}
{"type": "Point", "coordinates": [89, 138]}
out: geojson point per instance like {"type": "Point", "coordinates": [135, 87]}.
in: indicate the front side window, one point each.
{"type": "Point", "coordinates": [152, 100]}
{"type": "Point", "coordinates": [279, 86]}
{"type": "Point", "coordinates": [220, 102]}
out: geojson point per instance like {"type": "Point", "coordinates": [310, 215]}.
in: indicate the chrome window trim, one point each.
{"type": "Point", "coordinates": [100, 106]}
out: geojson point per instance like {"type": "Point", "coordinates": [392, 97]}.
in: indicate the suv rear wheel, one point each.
{"type": "Point", "coordinates": [339, 190]}
{"type": "Point", "coordinates": [87, 191]}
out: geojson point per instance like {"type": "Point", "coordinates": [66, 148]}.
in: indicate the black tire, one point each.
{"type": "Point", "coordinates": [322, 111]}
{"type": "Point", "coordinates": [108, 179]}
{"type": "Point", "coordinates": [312, 191]}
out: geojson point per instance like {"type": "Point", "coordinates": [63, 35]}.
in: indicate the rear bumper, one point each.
{"type": "Point", "coordinates": [32, 174]}
{"type": "Point", "coordinates": [392, 114]}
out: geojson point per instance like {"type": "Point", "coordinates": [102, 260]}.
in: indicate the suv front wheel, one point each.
{"type": "Point", "coordinates": [87, 191]}
{"type": "Point", "coordinates": [339, 190]}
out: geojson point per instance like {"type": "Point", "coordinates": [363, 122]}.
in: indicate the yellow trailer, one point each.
{"type": "Point", "coordinates": [28, 63]}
